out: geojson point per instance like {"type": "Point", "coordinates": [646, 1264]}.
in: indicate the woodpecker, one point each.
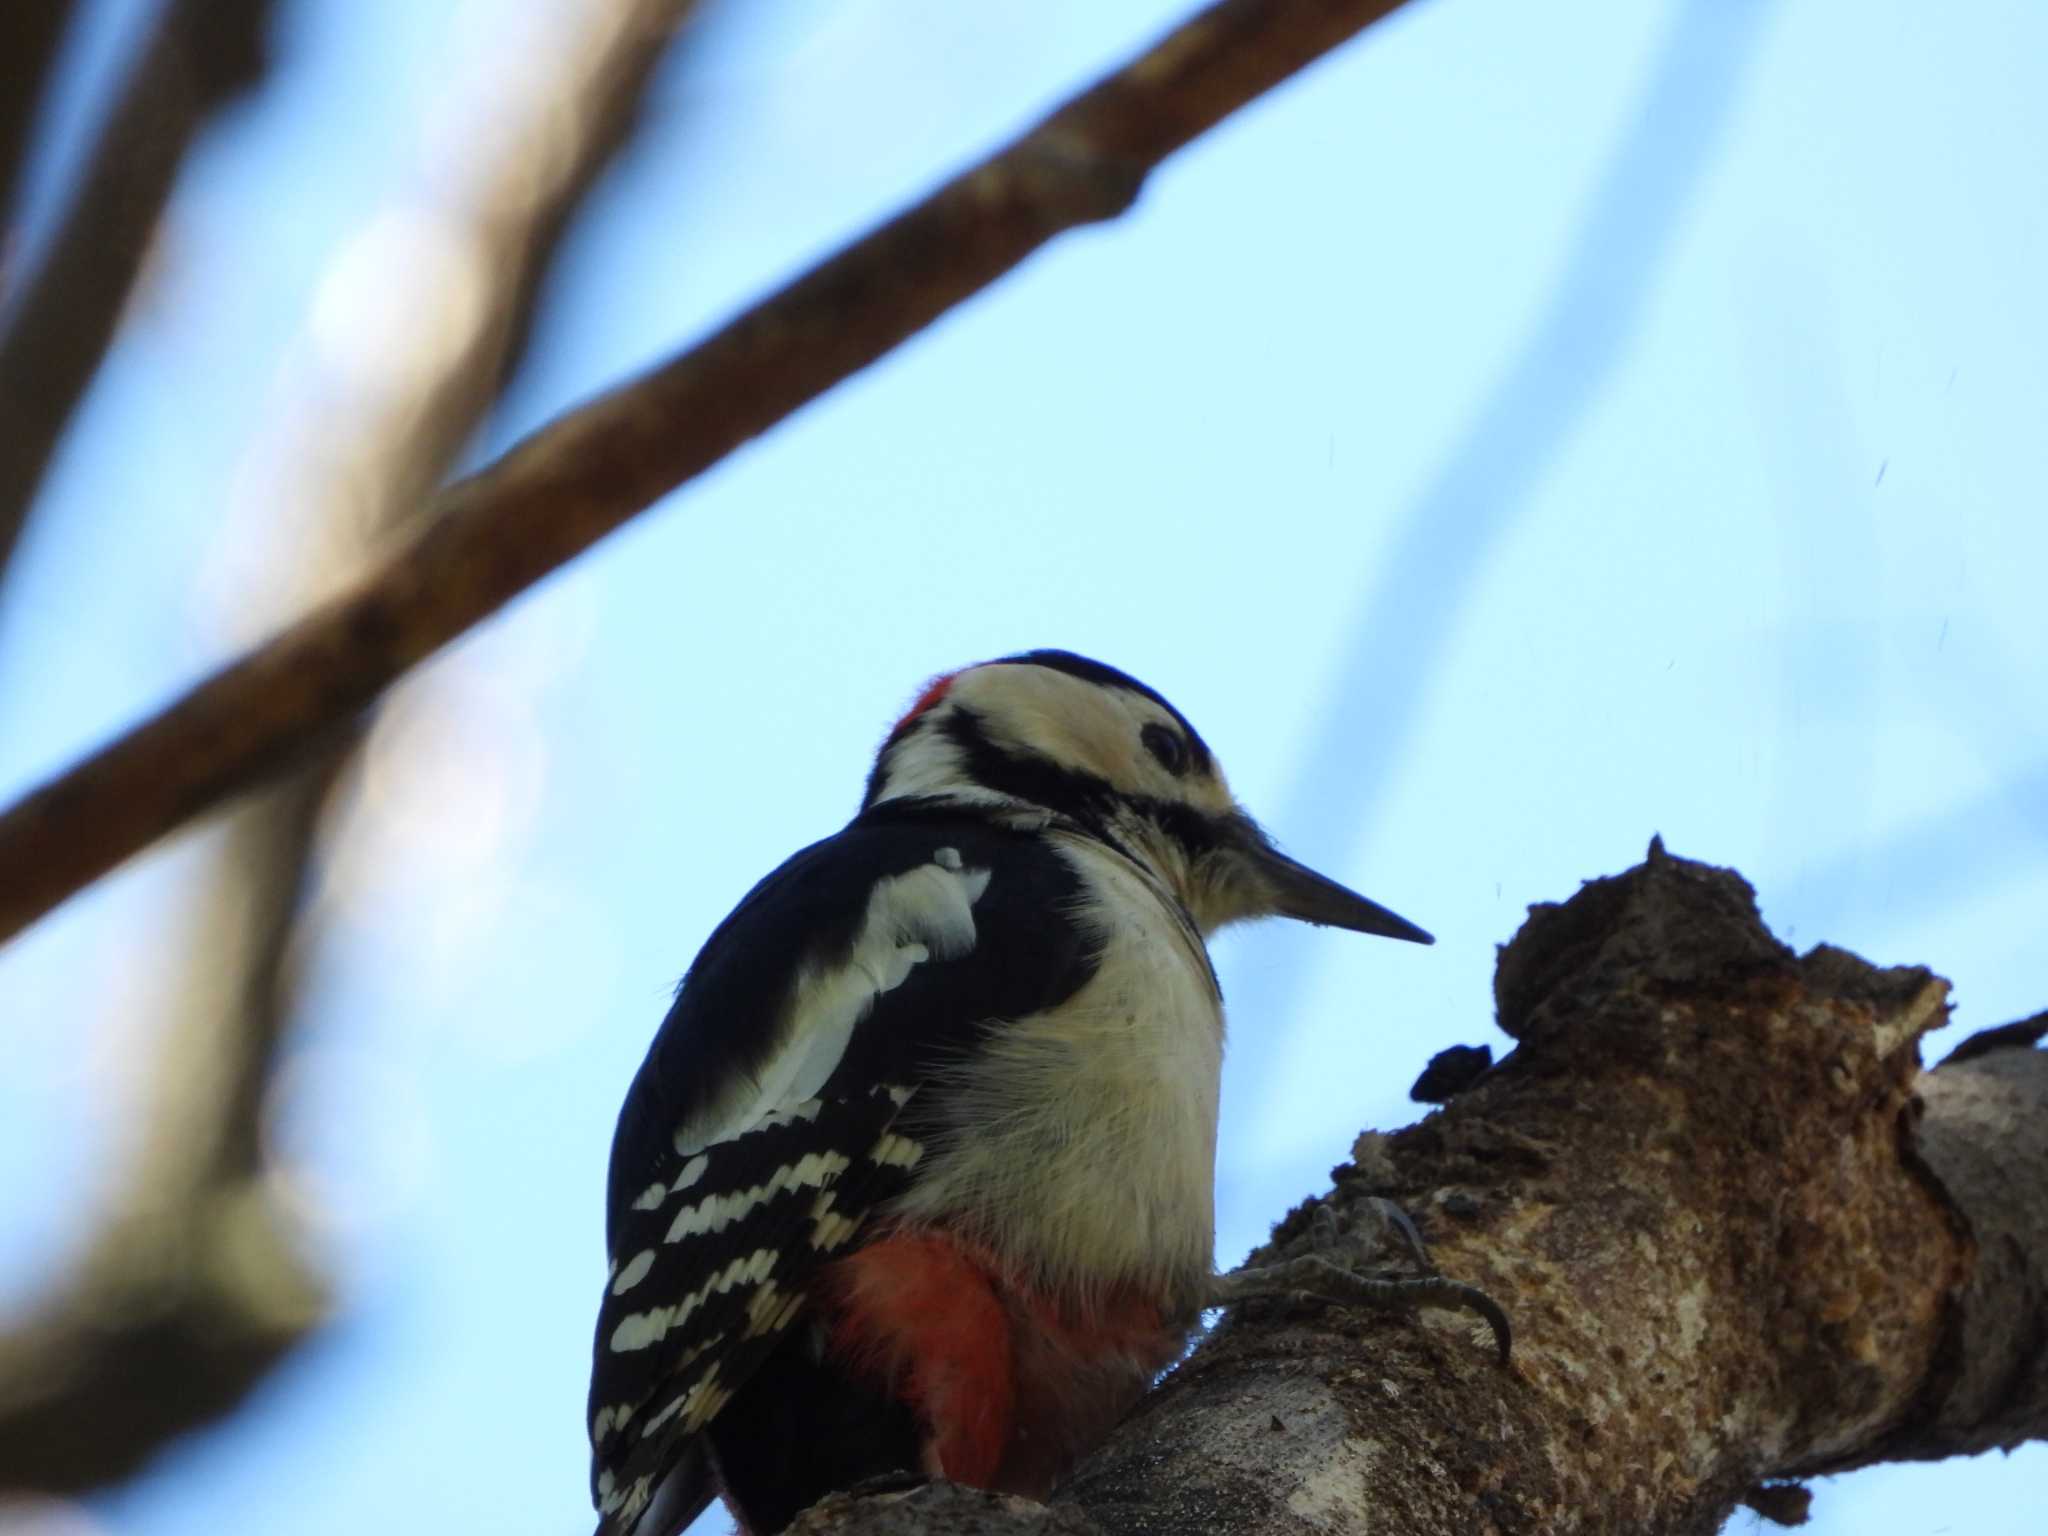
{"type": "Point", "coordinates": [918, 1175]}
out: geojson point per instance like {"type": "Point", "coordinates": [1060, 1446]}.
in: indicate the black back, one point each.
{"type": "Point", "coordinates": [729, 1016]}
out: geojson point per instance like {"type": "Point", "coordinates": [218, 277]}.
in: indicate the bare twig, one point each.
{"type": "Point", "coordinates": [202, 55]}
{"type": "Point", "coordinates": [568, 485]}
{"type": "Point", "coordinates": [195, 1287]}
{"type": "Point", "coordinates": [29, 37]}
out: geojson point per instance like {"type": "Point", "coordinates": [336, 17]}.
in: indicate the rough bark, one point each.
{"type": "Point", "coordinates": [554, 495]}
{"type": "Point", "coordinates": [1742, 1235]}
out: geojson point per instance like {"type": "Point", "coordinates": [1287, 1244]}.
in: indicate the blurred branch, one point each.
{"type": "Point", "coordinates": [61, 318]}
{"type": "Point", "coordinates": [195, 1288]}
{"type": "Point", "coordinates": [30, 32]}
{"type": "Point", "coordinates": [496, 533]}
{"type": "Point", "coordinates": [1429, 562]}
{"type": "Point", "coordinates": [1436, 553]}
{"type": "Point", "coordinates": [573, 96]}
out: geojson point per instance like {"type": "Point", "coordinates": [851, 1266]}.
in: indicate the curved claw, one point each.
{"type": "Point", "coordinates": [1403, 1223]}
{"type": "Point", "coordinates": [1443, 1292]}
{"type": "Point", "coordinates": [1330, 1221]}
{"type": "Point", "coordinates": [902, 1480]}
{"type": "Point", "coordinates": [1311, 1275]}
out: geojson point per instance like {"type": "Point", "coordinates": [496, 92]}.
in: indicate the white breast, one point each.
{"type": "Point", "coordinates": [1081, 1143]}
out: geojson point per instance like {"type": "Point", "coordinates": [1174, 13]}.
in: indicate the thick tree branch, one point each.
{"type": "Point", "coordinates": [554, 495]}
{"type": "Point", "coordinates": [201, 55]}
{"type": "Point", "coordinates": [1741, 1235]}
{"type": "Point", "coordinates": [195, 1288]}
{"type": "Point", "coordinates": [1984, 1139]}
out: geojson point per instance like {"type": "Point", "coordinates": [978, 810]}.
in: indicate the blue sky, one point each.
{"type": "Point", "coordinates": [1532, 429]}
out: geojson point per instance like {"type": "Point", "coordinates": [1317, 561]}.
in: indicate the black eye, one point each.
{"type": "Point", "coordinates": [1163, 744]}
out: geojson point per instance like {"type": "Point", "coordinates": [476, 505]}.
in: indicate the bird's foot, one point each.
{"type": "Point", "coordinates": [1333, 1230]}
{"type": "Point", "coordinates": [1319, 1277]}
{"type": "Point", "coordinates": [902, 1480]}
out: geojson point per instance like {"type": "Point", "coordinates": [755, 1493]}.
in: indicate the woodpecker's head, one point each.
{"type": "Point", "coordinates": [1057, 732]}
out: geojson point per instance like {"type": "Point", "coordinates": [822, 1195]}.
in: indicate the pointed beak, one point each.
{"type": "Point", "coordinates": [1294, 890]}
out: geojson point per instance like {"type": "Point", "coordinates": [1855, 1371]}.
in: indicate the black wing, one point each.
{"type": "Point", "coordinates": [727, 1197]}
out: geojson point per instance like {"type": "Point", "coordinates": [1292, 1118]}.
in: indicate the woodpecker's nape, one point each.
{"type": "Point", "coordinates": [918, 1174]}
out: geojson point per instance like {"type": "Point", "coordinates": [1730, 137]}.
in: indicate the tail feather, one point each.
{"type": "Point", "coordinates": [684, 1494]}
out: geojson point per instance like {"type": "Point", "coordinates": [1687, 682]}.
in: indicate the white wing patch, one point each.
{"type": "Point", "coordinates": [922, 914]}
{"type": "Point", "coordinates": [807, 1109]}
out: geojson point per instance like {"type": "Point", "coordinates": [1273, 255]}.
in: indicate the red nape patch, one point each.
{"type": "Point", "coordinates": [921, 1314]}
{"type": "Point", "coordinates": [934, 691]}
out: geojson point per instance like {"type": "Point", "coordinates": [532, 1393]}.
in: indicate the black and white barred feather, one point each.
{"type": "Point", "coordinates": [776, 1110]}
